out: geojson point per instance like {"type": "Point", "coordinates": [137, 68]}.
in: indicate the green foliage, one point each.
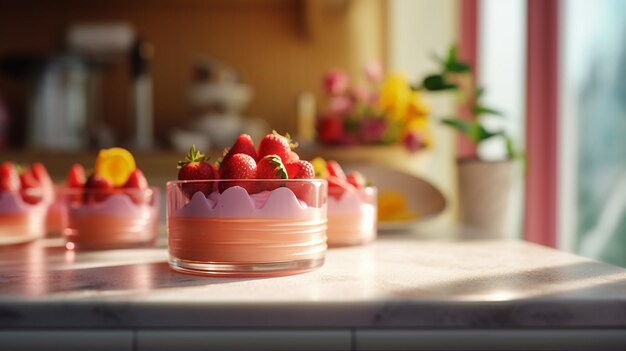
{"type": "Point", "coordinates": [449, 77]}
{"type": "Point", "coordinates": [472, 129]}
{"type": "Point", "coordinates": [437, 82]}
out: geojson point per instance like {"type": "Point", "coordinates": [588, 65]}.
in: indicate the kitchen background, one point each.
{"type": "Point", "coordinates": [79, 75]}
{"type": "Point", "coordinates": [280, 48]}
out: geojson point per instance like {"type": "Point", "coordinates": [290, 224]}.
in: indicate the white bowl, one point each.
{"type": "Point", "coordinates": [422, 197]}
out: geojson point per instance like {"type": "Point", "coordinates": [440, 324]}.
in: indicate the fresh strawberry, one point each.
{"type": "Point", "coordinates": [335, 170]}
{"type": "Point", "coordinates": [97, 189]}
{"type": "Point", "coordinates": [243, 145]}
{"type": "Point", "coordinates": [76, 179]}
{"type": "Point", "coordinates": [276, 144]}
{"type": "Point", "coordinates": [356, 179]}
{"type": "Point", "coordinates": [194, 167]}
{"type": "Point", "coordinates": [136, 180]}
{"type": "Point", "coordinates": [137, 184]}
{"type": "Point", "coordinates": [270, 167]}
{"type": "Point", "coordinates": [337, 187]}
{"type": "Point", "coordinates": [293, 157]}
{"type": "Point", "coordinates": [9, 178]}
{"type": "Point", "coordinates": [31, 189]}
{"type": "Point", "coordinates": [301, 170]}
{"type": "Point", "coordinates": [76, 176]}
{"type": "Point", "coordinates": [240, 166]}
{"type": "Point", "coordinates": [40, 173]}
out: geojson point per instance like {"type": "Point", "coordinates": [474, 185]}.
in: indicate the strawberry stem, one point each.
{"type": "Point", "coordinates": [292, 144]}
{"type": "Point", "coordinates": [280, 169]}
{"type": "Point", "coordinates": [194, 155]}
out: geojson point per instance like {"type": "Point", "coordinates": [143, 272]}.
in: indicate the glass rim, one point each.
{"type": "Point", "coordinates": [314, 180]}
{"type": "Point", "coordinates": [69, 190]}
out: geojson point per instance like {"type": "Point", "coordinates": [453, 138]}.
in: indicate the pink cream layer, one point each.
{"type": "Point", "coordinates": [21, 227]}
{"type": "Point", "coordinates": [92, 231]}
{"type": "Point", "coordinates": [19, 222]}
{"type": "Point", "coordinates": [352, 229]}
{"type": "Point", "coordinates": [246, 240]}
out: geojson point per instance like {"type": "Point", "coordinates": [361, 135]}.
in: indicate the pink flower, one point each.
{"type": "Point", "coordinates": [336, 82]}
{"type": "Point", "coordinates": [361, 93]}
{"type": "Point", "coordinates": [412, 141]}
{"type": "Point", "coordinates": [374, 71]}
{"type": "Point", "coordinates": [340, 105]}
{"type": "Point", "coordinates": [372, 130]}
{"type": "Point", "coordinates": [330, 129]}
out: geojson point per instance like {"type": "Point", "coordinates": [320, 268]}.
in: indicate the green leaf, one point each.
{"type": "Point", "coordinates": [480, 91]}
{"type": "Point", "coordinates": [437, 82]}
{"type": "Point", "coordinates": [510, 149]}
{"type": "Point", "coordinates": [457, 67]}
{"type": "Point", "coordinates": [471, 129]}
{"type": "Point", "coordinates": [452, 54]}
{"type": "Point", "coordinates": [484, 110]}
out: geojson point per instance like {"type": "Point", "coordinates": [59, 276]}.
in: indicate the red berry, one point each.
{"type": "Point", "coordinates": [270, 167]}
{"type": "Point", "coordinates": [76, 176]}
{"type": "Point", "coordinates": [335, 170]}
{"type": "Point", "coordinates": [31, 189]}
{"type": "Point", "coordinates": [9, 178]}
{"type": "Point", "coordinates": [275, 144]}
{"type": "Point", "coordinates": [337, 187]}
{"type": "Point", "coordinates": [243, 145]}
{"type": "Point", "coordinates": [356, 179]}
{"type": "Point", "coordinates": [136, 180]}
{"type": "Point", "coordinates": [40, 173]}
{"type": "Point", "coordinates": [293, 157]}
{"type": "Point", "coordinates": [97, 189]}
{"type": "Point", "coordinates": [240, 166]}
{"type": "Point", "coordinates": [301, 170]}
{"type": "Point", "coordinates": [330, 129]}
{"type": "Point", "coordinates": [137, 184]}
{"type": "Point", "coordinates": [195, 168]}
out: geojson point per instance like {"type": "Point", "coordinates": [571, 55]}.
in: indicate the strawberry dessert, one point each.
{"type": "Point", "coordinates": [259, 212]}
{"type": "Point", "coordinates": [24, 198]}
{"type": "Point", "coordinates": [351, 205]}
{"type": "Point", "coordinates": [112, 208]}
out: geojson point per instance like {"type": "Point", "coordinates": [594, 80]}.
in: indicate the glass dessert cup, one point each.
{"type": "Point", "coordinates": [55, 216]}
{"type": "Point", "coordinates": [352, 217]}
{"type": "Point", "coordinates": [278, 230]}
{"type": "Point", "coordinates": [20, 222]}
{"type": "Point", "coordinates": [120, 218]}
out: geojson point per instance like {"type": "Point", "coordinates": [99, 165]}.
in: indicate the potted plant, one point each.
{"type": "Point", "coordinates": [483, 185]}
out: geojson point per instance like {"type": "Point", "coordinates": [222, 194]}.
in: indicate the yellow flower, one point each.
{"type": "Point", "coordinates": [395, 96]}
{"type": "Point", "coordinates": [418, 124]}
{"type": "Point", "coordinates": [417, 107]}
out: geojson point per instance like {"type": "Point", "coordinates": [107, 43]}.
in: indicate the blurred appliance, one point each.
{"type": "Point", "coordinates": [61, 103]}
{"type": "Point", "coordinates": [65, 105]}
{"type": "Point", "coordinates": [216, 99]}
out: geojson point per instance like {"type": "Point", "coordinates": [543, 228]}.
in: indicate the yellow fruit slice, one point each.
{"type": "Point", "coordinates": [319, 166]}
{"type": "Point", "coordinates": [115, 164]}
{"type": "Point", "coordinates": [393, 206]}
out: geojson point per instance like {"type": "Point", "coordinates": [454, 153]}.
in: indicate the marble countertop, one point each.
{"type": "Point", "coordinates": [395, 282]}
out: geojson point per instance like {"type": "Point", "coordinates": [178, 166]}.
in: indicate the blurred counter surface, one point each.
{"type": "Point", "coordinates": [395, 293]}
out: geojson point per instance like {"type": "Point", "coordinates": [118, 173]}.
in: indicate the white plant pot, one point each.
{"type": "Point", "coordinates": [484, 189]}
